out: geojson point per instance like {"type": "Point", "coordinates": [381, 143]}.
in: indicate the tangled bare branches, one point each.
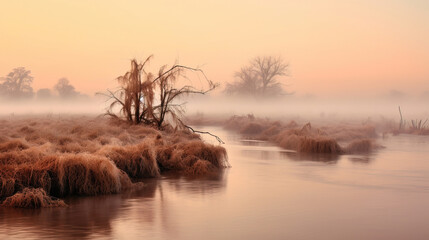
{"type": "Point", "coordinates": [144, 97]}
{"type": "Point", "coordinates": [259, 78]}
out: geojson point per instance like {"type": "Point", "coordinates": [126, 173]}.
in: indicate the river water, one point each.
{"type": "Point", "coordinates": [269, 193]}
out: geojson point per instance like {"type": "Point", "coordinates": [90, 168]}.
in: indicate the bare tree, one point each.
{"type": "Point", "coordinates": [17, 84]}
{"type": "Point", "coordinates": [259, 77]}
{"type": "Point", "coordinates": [140, 90]}
{"type": "Point", "coordinates": [65, 89]}
{"type": "Point", "coordinates": [247, 83]}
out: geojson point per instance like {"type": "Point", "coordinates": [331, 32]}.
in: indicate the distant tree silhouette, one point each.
{"type": "Point", "coordinates": [44, 94]}
{"type": "Point", "coordinates": [259, 78]}
{"type": "Point", "coordinates": [17, 84]}
{"type": "Point", "coordinates": [65, 89]}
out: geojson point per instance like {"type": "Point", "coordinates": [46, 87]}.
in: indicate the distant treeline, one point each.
{"type": "Point", "coordinates": [18, 85]}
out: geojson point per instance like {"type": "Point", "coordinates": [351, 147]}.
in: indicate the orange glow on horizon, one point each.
{"type": "Point", "coordinates": [333, 47]}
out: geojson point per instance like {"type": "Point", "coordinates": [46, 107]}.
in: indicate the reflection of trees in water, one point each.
{"type": "Point", "coordinates": [87, 217]}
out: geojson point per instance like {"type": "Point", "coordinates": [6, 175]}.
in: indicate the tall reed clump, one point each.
{"type": "Point", "coordinates": [417, 126]}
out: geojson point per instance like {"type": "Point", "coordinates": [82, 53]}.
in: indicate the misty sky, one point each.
{"type": "Point", "coordinates": [341, 47]}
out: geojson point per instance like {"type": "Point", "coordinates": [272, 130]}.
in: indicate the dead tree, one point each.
{"type": "Point", "coordinates": [139, 91]}
{"type": "Point", "coordinates": [259, 77]}
{"type": "Point", "coordinates": [267, 69]}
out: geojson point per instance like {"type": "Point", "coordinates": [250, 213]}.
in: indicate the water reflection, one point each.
{"type": "Point", "coordinates": [268, 193]}
{"type": "Point", "coordinates": [263, 150]}
{"type": "Point", "coordinates": [266, 154]}
{"type": "Point", "coordinates": [319, 157]}
{"type": "Point", "coordinates": [245, 142]}
{"type": "Point", "coordinates": [363, 159]}
{"type": "Point", "coordinates": [84, 217]}
{"type": "Point", "coordinates": [211, 184]}
{"type": "Point", "coordinates": [93, 217]}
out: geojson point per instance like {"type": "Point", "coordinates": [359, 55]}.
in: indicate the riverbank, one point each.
{"type": "Point", "coordinates": [330, 138]}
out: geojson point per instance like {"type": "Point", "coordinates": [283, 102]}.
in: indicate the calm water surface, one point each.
{"type": "Point", "coordinates": [269, 193]}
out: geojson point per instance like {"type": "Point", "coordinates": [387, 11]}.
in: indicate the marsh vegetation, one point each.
{"type": "Point", "coordinates": [91, 156]}
{"type": "Point", "coordinates": [44, 158]}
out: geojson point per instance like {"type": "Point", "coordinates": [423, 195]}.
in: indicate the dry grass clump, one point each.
{"type": "Point", "coordinates": [287, 140]}
{"type": "Point", "coordinates": [201, 167]}
{"type": "Point", "coordinates": [360, 146]}
{"type": "Point", "coordinates": [28, 176]}
{"type": "Point", "coordinates": [239, 123]}
{"type": "Point", "coordinates": [319, 145]}
{"type": "Point", "coordinates": [91, 156]}
{"type": "Point", "coordinates": [85, 174]}
{"type": "Point", "coordinates": [17, 157]}
{"type": "Point", "coordinates": [32, 198]}
{"type": "Point", "coordinates": [138, 161]}
{"type": "Point", "coordinates": [308, 143]}
{"type": "Point", "coordinates": [417, 127]}
{"type": "Point", "coordinates": [68, 174]}
{"type": "Point", "coordinates": [7, 186]}
{"type": "Point", "coordinates": [192, 157]}
{"type": "Point", "coordinates": [12, 145]}
{"type": "Point", "coordinates": [252, 128]}
{"type": "Point", "coordinates": [307, 139]}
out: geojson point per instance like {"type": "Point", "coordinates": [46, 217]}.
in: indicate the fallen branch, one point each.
{"type": "Point", "coordinates": [201, 132]}
{"type": "Point", "coordinates": [211, 134]}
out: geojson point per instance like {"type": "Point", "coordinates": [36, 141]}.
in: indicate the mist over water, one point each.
{"type": "Point", "coordinates": [312, 108]}
{"type": "Point", "coordinates": [326, 110]}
